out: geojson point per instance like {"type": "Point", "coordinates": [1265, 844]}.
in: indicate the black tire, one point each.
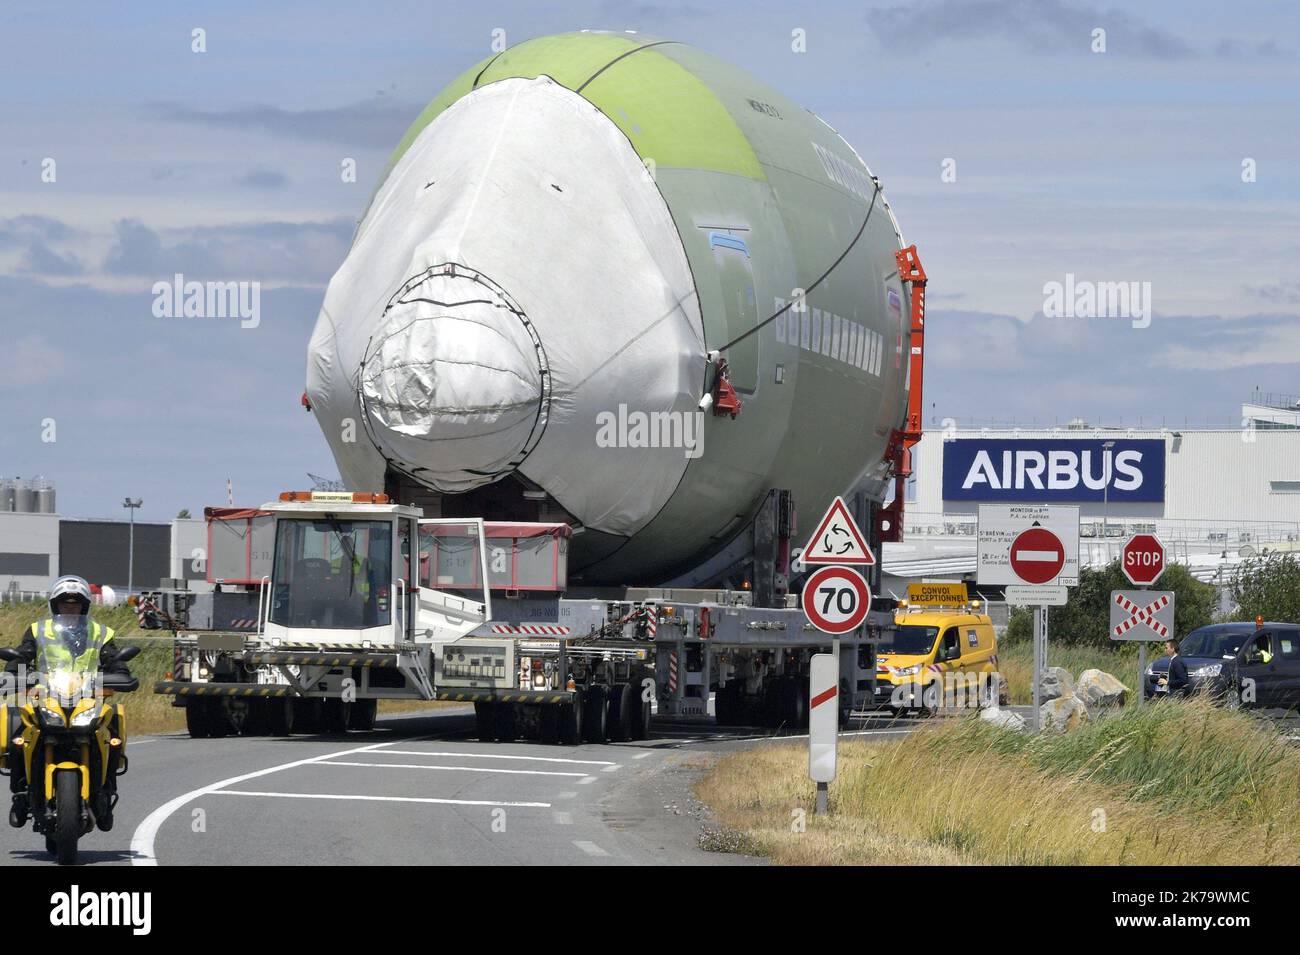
{"type": "Point", "coordinates": [770, 713]}
{"type": "Point", "coordinates": [364, 714]}
{"type": "Point", "coordinates": [571, 721]}
{"type": "Point", "coordinates": [505, 723]}
{"type": "Point", "coordinates": [549, 718]}
{"type": "Point", "coordinates": [51, 846]}
{"type": "Point", "coordinates": [485, 721]}
{"type": "Point", "coordinates": [335, 716]}
{"type": "Point", "coordinates": [196, 717]}
{"type": "Point", "coordinates": [640, 728]}
{"type": "Point", "coordinates": [307, 715]}
{"type": "Point", "coordinates": [217, 718]}
{"type": "Point", "coordinates": [595, 715]}
{"type": "Point", "coordinates": [256, 719]}
{"type": "Point", "coordinates": [618, 713]}
{"type": "Point", "coordinates": [279, 717]}
{"type": "Point", "coordinates": [796, 704]}
{"type": "Point", "coordinates": [67, 795]}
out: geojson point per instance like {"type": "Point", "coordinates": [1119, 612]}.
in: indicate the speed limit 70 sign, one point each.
{"type": "Point", "coordinates": [836, 600]}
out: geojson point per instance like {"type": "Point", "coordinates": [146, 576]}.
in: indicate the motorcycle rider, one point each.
{"type": "Point", "coordinates": [93, 647]}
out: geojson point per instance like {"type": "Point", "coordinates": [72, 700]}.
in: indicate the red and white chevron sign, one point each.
{"type": "Point", "coordinates": [532, 629]}
{"type": "Point", "coordinates": [1151, 619]}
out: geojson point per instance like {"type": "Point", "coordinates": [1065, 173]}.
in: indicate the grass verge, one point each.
{"type": "Point", "coordinates": [1016, 663]}
{"type": "Point", "coordinates": [1180, 784]}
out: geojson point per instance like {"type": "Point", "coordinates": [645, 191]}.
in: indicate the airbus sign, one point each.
{"type": "Point", "coordinates": [1048, 470]}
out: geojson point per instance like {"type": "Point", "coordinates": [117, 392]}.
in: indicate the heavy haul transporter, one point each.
{"type": "Point", "coordinates": [364, 600]}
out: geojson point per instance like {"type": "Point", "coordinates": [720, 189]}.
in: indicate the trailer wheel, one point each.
{"type": "Point", "coordinates": [485, 721]}
{"type": "Point", "coordinates": [505, 723]}
{"type": "Point", "coordinates": [619, 713]}
{"type": "Point", "coordinates": [726, 705]}
{"type": "Point", "coordinates": [255, 719]}
{"type": "Point", "coordinates": [279, 717]}
{"type": "Point", "coordinates": [571, 722]}
{"type": "Point", "coordinates": [364, 714]}
{"type": "Point", "coordinates": [307, 715]}
{"type": "Point", "coordinates": [549, 718]}
{"type": "Point", "coordinates": [335, 715]}
{"type": "Point", "coordinates": [640, 728]}
{"type": "Point", "coordinates": [772, 709]}
{"type": "Point", "coordinates": [796, 703]}
{"type": "Point", "coordinates": [196, 717]}
{"type": "Point", "coordinates": [595, 715]}
{"type": "Point", "coordinates": [217, 718]}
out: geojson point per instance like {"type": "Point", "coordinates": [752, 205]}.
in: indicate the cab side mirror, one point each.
{"type": "Point", "coordinates": [130, 653]}
{"type": "Point", "coordinates": [10, 653]}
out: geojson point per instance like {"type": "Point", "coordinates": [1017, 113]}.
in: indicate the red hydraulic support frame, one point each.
{"type": "Point", "coordinates": [889, 519]}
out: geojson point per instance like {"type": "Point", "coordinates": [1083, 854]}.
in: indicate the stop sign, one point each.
{"type": "Point", "coordinates": [1143, 559]}
{"type": "Point", "coordinates": [1037, 555]}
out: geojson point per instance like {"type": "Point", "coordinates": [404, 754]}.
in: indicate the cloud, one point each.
{"type": "Point", "coordinates": [367, 124]}
{"type": "Point", "coordinates": [307, 252]}
{"type": "Point", "coordinates": [1284, 293]}
{"type": "Point", "coordinates": [1036, 25]}
{"type": "Point", "coordinates": [22, 230]}
{"type": "Point", "coordinates": [983, 367]}
{"type": "Point", "coordinates": [40, 259]}
{"type": "Point", "coordinates": [262, 178]}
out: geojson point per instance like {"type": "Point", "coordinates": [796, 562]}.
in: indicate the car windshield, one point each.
{"type": "Point", "coordinates": [333, 574]}
{"type": "Point", "coordinates": [1213, 643]}
{"type": "Point", "coordinates": [909, 639]}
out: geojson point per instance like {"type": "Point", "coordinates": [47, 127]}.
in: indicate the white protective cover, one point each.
{"type": "Point", "coordinates": [517, 275]}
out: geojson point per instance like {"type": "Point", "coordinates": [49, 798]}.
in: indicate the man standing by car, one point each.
{"type": "Point", "coordinates": [1176, 682]}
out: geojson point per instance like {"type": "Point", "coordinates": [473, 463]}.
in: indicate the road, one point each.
{"type": "Point", "coordinates": [420, 789]}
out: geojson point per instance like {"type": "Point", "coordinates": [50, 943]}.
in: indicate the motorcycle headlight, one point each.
{"type": "Point", "coordinates": [1207, 671]}
{"type": "Point", "coordinates": [65, 685]}
{"type": "Point", "coordinates": [50, 714]}
{"type": "Point", "coordinates": [85, 718]}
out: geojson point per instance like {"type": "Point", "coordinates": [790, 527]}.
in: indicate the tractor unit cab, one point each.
{"type": "Point", "coordinates": [351, 569]}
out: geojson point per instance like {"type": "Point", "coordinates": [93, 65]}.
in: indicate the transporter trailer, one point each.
{"type": "Point", "coordinates": [363, 600]}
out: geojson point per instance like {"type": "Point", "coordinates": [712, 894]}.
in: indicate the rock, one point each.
{"type": "Point", "coordinates": [1056, 682]}
{"type": "Point", "coordinates": [1063, 714]}
{"type": "Point", "coordinates": [1099, 690]}
{"type": "Point", "coordinates": [1003, 719]}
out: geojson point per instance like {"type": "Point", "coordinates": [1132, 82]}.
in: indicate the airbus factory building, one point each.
{"type": "Point", "coordinates": [1215, 497]}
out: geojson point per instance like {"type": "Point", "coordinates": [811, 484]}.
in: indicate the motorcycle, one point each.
{"type": "Point", "coordinates": [70, 739]}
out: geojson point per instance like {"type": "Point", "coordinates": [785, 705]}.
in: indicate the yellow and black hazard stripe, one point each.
{"type": "Point", "coordinates": [179, 688]}
{"type": "Point", "coordinates": [319, 660]}
{"type": "Point", "coordinates": [489, 696]}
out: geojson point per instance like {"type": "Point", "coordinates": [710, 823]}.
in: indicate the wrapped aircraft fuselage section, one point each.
{"type": "Point", "coordinates": [500, 299]}
{"type": "Point", "coordinates": [561, 239]}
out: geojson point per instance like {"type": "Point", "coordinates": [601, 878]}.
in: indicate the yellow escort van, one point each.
{"type": "Point", "coordinates": [939, 656]}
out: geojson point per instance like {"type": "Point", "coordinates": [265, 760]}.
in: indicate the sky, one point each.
{"type": "Point", "coordinates": [1013, 151]}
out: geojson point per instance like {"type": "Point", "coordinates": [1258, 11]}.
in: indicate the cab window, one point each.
{"type": "Point", "coordinates": [950, 645]}
{"type": "Point", "coordinates": [1258, 649]}
{"type": "Point", "coordinates": [1288, 644]}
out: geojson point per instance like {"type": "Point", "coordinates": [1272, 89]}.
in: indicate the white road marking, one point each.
{"type": "Point", "coordinates": [590, 848]}
{"type": "Point", "coordinates": [563, 818]}
{"type": "Point", "coordinates": [587, 782]}
{"type": "Point", "coordinates": [534, 759]}
{"type": "Point", "coordinates": [642, 755]}
{"type": "Point", "coordinates": [566, 795]}
{"type": "Point", "coordinates": [610, 768]}
{"type": "Point", "coordinates": [462, 769]}
{"type": "Point", "coordinates": [142, 840]}
{"type": "Point", "coordinates": [421, 799]}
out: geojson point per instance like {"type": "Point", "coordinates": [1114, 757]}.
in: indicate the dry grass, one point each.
{"type": "Point", "coordinates": [1173, 785]}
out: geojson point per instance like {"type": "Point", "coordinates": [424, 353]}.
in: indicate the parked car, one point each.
{"type": "Point", "coordinates": [1254, 664]}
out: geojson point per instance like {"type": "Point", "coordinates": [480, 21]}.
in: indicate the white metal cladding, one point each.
{"type": "Point", "coordinates": [1215, 482]}
{"type": "Point", "coordinates": [28, 543]}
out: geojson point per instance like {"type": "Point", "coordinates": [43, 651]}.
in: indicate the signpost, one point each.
{"type": "Point", "coordinates": [1033, 551]}
{"type": "Point", "coordinates": [1143, 561]}
{"type": "Point", "coordinates": [823, 722]}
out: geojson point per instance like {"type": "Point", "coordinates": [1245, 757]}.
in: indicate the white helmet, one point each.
{"type": "Point", "coordinates": [70, 586]}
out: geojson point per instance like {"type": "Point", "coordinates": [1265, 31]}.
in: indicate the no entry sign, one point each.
{"type": "Point", "coordinates": [1037, 556]}
{"type": "Point", "coordinates": [836, 600]}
